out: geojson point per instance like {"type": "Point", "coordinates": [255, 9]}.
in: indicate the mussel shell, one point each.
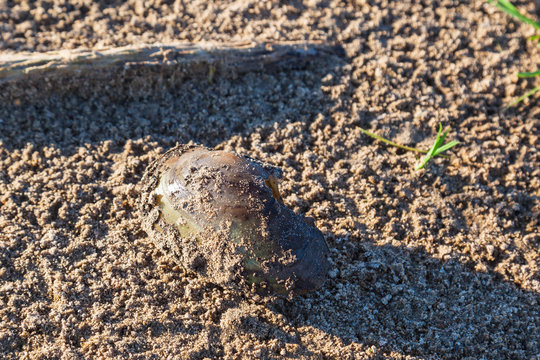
{"type": "Point", "coordinates": [220, 214]}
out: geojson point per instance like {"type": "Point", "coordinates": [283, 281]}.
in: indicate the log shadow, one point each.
{"type": "Point", "coordinates": [398, 299]}
{"type": "Point", "coordinates": [203, 98]}
{"type": "Point", "coordinates": [78, 149]}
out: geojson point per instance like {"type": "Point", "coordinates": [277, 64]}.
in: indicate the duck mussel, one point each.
{"type": "Point", "coordinates": [221, 215]}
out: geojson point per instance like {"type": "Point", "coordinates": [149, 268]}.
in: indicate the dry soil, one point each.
{"type": "Point", "coordinates": [441, 263]}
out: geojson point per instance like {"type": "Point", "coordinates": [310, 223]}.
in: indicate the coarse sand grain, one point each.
{"type": "Point", "coordinates": [441, 263]}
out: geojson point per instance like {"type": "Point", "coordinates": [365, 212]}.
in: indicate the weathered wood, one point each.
{"type": "Point", "coordinates": [143, 70]}
{"type": "Point", "coordinates": [237, 56]}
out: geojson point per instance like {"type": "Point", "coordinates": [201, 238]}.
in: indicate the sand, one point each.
{"type": "Point", "coordinates": [441, 263]}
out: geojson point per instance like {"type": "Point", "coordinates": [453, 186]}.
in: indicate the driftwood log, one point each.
{"type": "Point", "coordinates": [138, 69]}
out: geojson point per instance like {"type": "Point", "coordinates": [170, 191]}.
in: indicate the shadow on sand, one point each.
{"type": "Point", "coordinates": [400, 300]}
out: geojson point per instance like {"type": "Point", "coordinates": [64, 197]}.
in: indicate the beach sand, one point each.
{"type": "Point", "coordinates": [441, 263]}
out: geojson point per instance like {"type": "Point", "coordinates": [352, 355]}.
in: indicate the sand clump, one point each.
{"type": "Point", "coordinates": [441, 263]}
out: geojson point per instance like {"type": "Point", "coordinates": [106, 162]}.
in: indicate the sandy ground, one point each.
{"type": "Point", "coordinates": [441, 263]}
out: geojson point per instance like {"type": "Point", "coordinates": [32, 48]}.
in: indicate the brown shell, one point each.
{"type": "Point", "coordinates": [221, 215]}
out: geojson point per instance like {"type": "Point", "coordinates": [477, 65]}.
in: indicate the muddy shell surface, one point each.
{"type": "Point", "coordinates": [221, 215]}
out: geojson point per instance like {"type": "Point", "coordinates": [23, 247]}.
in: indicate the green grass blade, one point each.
{"type": "Point", "coordinates": [430, 153]}
{"type": "Point", "coordinates": [423, 163]}
{"type": "Point", "coordinates": [510, 9]}
{"type": "Point", "coordinates": [437, 148]}
{"type": "Point", "coordinates": [438, 141]}
{"type": "Point", "coordinates": [523, 97]}
{"type": "Point", "coordinates": [506, 6]}
{"type": "Point", "coordinates": [443, 136]}
{"type": "Point", "coordinates": [447, 146]}
{"type": "Point", "coordinates": [529, 74]}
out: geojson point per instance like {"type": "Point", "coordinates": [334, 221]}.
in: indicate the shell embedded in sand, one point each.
{"type": "Point", "coordinates": [221, 215]}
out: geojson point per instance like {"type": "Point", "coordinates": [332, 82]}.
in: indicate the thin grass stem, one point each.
{"type": "Point", "coordinates": [396, 145]}
{"type": "Point", "coordinates": [523, 97]}
{"type": "Point", "coordinates": [528, 74]}
{"type": "Point", "coordinates": [510, 9]}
